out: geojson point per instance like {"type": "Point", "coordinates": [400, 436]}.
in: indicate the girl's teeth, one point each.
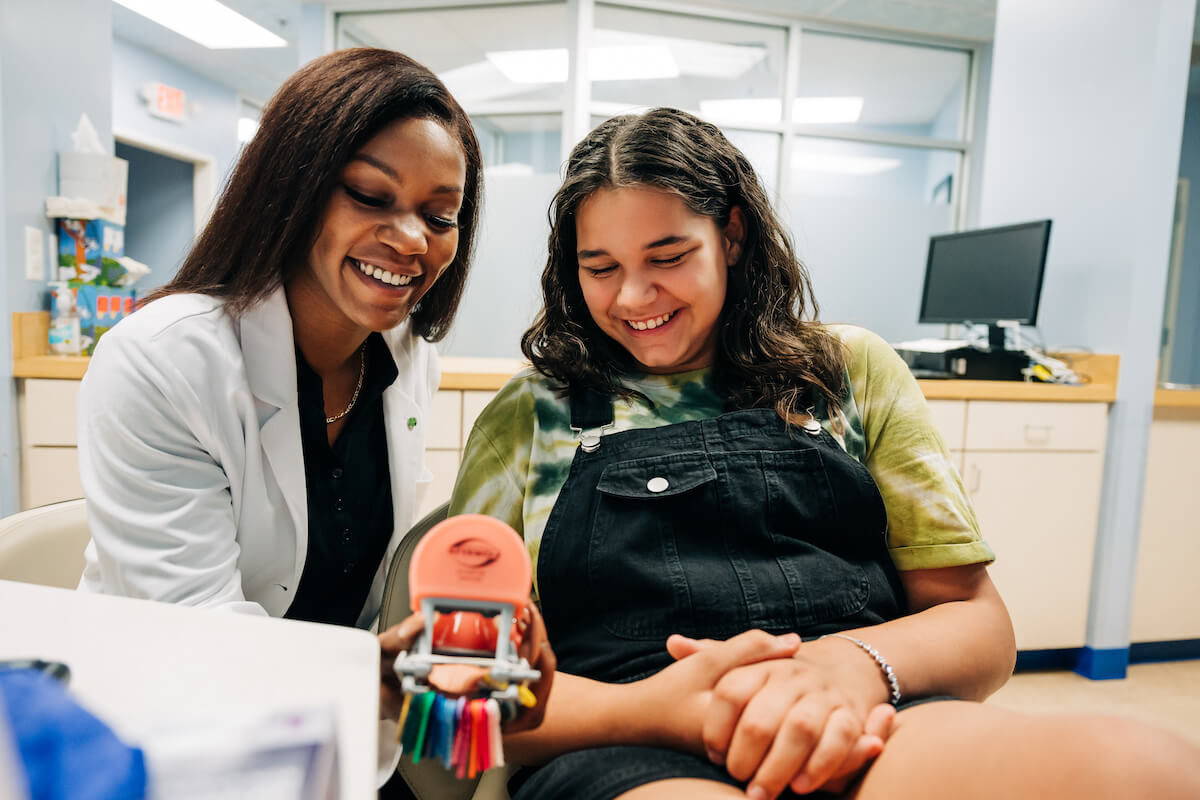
{"type": "Point", "coordinates": [651, 324]}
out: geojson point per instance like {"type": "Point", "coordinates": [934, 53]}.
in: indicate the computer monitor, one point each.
{"type": "Point", "coordinates": [987, 275]}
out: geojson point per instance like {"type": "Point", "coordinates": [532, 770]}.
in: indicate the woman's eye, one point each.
{"type": "Point", "coordinates": [443, 223]}
{"type": "Point", "coordinates": [365, 199]}
{"type": "Point", "coordinates": [598, 272]}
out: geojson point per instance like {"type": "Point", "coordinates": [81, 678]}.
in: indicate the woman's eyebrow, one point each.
{"type": "Point", "coordinates": [391, 173]}
{"type": "Point", "coordinates": [666, 240]}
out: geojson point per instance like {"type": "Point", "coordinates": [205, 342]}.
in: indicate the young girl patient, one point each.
{"type": "Point", "coordinates": [758, 568]}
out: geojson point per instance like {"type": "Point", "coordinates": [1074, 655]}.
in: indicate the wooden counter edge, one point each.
{"type": "Point", "coordinates": [1177, 398]}
{"type": "Point", "coordinates": [30, 360]}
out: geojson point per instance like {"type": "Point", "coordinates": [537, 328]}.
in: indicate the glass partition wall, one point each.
{"type": "Point", "coordinates": [862, 141]}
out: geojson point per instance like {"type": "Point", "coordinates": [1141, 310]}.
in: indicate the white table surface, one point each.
{"type": "Point", "coordinates": [135, 662]}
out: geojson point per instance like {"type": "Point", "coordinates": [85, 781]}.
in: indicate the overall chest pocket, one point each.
{"type": "Point", "coordinates": [644, 507]}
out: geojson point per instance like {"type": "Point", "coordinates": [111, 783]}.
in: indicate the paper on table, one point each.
{"type": "Point", "coordinates": [282, 755]}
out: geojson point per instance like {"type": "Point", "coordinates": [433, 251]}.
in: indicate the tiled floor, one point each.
{"type": "Point", "coordinates": [1166, 694]}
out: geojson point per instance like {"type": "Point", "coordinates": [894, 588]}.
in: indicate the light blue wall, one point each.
{"type": "Point", "coordinates": [1185, 360]}
{"type": "Point", "coordinates": [1098, 82]}
{"type": "Point", "coordinates": [503, 291]}
{"type": "Point", "coordinates": [54, 65]}
{"type": "Point", "coordinates": [211, 125]}
{"type": "Point", "coordinates": [160, 222]}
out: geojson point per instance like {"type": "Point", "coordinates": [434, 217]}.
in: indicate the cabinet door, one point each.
{"type": "Point", "coordinates": [474, 401]}
{"type": "Point", "coordinates": [950, 418]}
{"type": "Point", "coordinates": [444, 466]}
{"type": "Point", "coordinates": [446, 422]}
{"type": "Point", "coordinates": [1166, 600]}
{"type": "Point", "coordinates": [1038, 512]}
{"type": "Point", "coordinates": [49, 475]}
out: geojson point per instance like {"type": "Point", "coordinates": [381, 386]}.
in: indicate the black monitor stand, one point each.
{"type": "Point", "coordinates": [996, 337]}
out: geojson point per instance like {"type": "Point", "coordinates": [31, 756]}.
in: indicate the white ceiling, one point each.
{"type": "Point", "coordinates": [256, 73]}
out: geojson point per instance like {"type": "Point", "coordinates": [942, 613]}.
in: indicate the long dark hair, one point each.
{"type": "Point", "coordinates": [269, 216]}
{"type": "Point", "coordinates": [771, 350]}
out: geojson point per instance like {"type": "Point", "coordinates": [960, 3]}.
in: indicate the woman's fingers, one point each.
{"type": "Point", "coordinates": [392, 642]}
{"type": "Point", "coordinates": [400, 637]}
{"type": "Point", "coordinates": [535, 648]}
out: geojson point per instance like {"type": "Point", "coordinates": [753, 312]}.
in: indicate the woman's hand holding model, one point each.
{"type": "Point", "coordinates": [533, 647]}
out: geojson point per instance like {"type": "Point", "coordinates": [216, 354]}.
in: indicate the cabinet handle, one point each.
{"type": "Point", "coordinates": [1038, 434]}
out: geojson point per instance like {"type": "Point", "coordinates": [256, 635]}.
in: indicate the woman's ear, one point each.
{"type": "Point", "coordinates": [734, 235]}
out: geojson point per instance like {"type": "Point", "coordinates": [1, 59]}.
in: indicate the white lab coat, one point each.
{"type": "Point", "coordinates": [191, 460]}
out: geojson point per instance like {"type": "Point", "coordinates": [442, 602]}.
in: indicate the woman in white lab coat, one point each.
{"type": "Point", "coordinates": [253, 437]}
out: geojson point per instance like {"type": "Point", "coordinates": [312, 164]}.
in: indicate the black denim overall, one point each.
{"type": "Point", "coordinates": [707, 528]}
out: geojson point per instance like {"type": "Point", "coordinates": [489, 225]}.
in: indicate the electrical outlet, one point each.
{"type": "Point", "coordinates": [35, 254]}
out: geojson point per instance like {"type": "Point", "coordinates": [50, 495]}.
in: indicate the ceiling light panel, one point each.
{"type": "Point", "coordinates": [207, 22]}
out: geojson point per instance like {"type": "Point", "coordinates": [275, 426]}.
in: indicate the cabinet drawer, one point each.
{"type": "Point", "coordinates": [1007, 425]}
{"type": "Point", "coordinates": [950, 418]}
{"type": "Point", "coordinates": [473, 404]}
{"type": "Point", "coordinates": [444, 466]}
{"type": "Point", "coordinates": [50, 408]}
{"type": "Point", "coordinates": [49, 475]}
{"type": "Point", "coordinates": [447, 421]}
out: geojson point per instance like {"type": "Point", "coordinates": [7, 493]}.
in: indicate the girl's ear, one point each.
{"type": "Point", "coordinates": [734, 235]}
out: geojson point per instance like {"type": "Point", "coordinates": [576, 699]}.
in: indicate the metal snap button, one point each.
{"type": "Point", "coordinates": [657, 485]}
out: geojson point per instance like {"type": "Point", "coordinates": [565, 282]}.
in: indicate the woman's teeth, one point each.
{"type": "Point", "coordinates": [649, 324]}
{"type": "Point", "coordinates": [380, 274]}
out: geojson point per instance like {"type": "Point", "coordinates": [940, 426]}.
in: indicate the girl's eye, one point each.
{"type": "Point", "coordinates": [443, 223]}
{"type": "Point", "coordinates": [598, 272]}
{"type": "Point", "coordinates": [365, 199]}
{"type": "Point", "coordinates": [666, 262]}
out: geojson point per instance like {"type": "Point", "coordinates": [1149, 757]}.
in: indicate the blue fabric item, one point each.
{"type": "Point", "coordinates": [68, 754]}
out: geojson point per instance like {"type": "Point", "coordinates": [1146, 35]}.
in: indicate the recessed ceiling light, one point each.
{"type": "Point", "coordinates": [207, 22]}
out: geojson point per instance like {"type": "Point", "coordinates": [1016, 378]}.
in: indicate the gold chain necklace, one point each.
{"type": "Point", "coordinates": [362, 370]}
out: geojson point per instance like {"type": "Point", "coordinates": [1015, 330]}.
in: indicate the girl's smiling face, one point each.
{"type": "Point", "coordinates": [390, 228]}
{"type": "Point", "coordinates": [653, 274]}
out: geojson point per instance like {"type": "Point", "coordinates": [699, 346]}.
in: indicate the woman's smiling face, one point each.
{"type": "Point", "coordinates": [390, 228]}
{"type": "Point", "coordinates": [653, 274]}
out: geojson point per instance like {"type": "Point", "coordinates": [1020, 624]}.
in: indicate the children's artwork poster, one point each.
{"type": "Point", "coordinates": [88, 250]}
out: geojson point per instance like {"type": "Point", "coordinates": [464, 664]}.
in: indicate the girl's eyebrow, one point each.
{"type": "Point", "coordinates": [666, 240]}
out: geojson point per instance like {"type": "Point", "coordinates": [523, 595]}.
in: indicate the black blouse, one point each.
{"type": "Point", "coordinates": [349, 494]}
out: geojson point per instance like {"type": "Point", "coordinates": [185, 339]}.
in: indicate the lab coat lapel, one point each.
{"type": "Point", "coordinates": [406, 439]}
{"type": "Point", "coordinates": [270, 357]}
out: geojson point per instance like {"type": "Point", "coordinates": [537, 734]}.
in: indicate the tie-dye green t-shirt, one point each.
{"type": "Point", "coordinates": [520, 450]}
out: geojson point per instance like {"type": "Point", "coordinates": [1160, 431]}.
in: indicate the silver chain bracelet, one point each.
{"type": "Point", "coordinates": [888, 672]}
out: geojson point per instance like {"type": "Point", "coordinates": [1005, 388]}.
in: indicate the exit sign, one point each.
{"type": "Point", "coordinates": [164, 101]}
